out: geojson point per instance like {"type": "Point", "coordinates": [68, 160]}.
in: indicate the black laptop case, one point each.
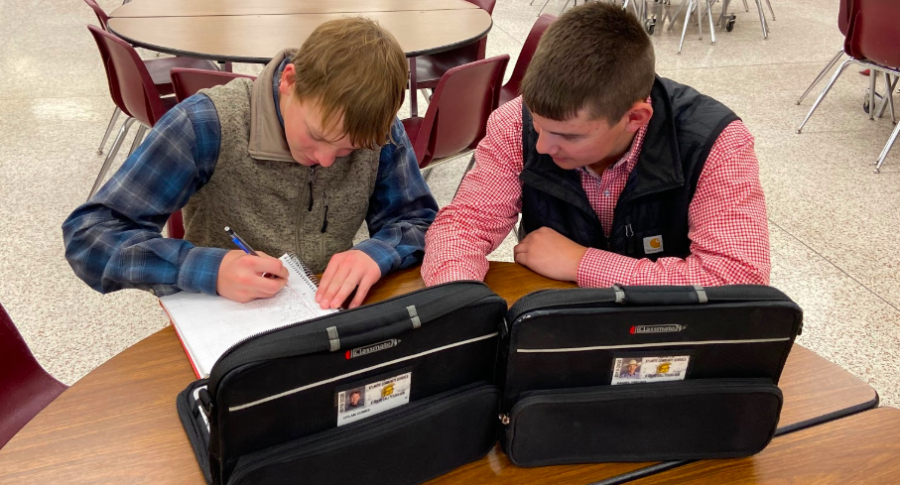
{"type": "Point", "coordinates": [644, 373]}
{"type": "Point", "coordinates": [422, 366]}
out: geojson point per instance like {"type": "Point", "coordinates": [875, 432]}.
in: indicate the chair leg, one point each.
{"type": "Point", "coordinates": [873, 83]}
{"type": "Point", "coordinates": [687, 20]}
{"type": "Point", "coordinates": [109, 128]}
{"type": "Point", "coordinates": [543, 7]}
{"type": "Point", "coordinates": [677, 13]}
{"type": "Point", "coordinates": [831, 82]}
{"type": "Point", "coordinates": [111, 156]}
{"type": "Point", "coordinates": [821, 75]}
{"type": "Point", "coordinates": [138, 137]}
{"type": "Point", "coordinates": [889, 98]}
{"type": "Point", "coordinates": [712, 30]}
{"type": "Point", "coordinates": [746, 7]}
{"type": "Point", "coordinates": [887, 149]}
{"type": "Point", "coordinates": [413, 88]}
{"type": "Point", "coordinates": [769, 3]}
{"type": "Point", "coordinates": [762, 19]}
{"type": "Point", "coordinates": [700, 19]}
{"type": "Point", "coordinates": [563, 7]}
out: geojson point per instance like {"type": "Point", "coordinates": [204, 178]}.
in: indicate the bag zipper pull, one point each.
{"type": "Point", "coordinates": [504, 419]}
{"type": "Point", "coordinates": [629, 233]}
{"type": "Point", "coordinates": [312, 183]}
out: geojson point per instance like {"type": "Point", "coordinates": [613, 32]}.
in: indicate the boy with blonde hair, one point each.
{"type": "Point", "coordinates": [294, 161]}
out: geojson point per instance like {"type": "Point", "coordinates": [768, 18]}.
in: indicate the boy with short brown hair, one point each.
{"type": "Point", "coordinates": [620, 177]}
{"type": "Point", "coordinates": [294, 161]}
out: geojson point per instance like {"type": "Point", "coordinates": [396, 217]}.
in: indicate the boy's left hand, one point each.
{"type": "Point", "coordinates": [550, 254]}
{"type": "Point", "coordinates": [346, 271]}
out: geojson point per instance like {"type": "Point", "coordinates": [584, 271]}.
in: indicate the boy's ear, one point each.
{"type": "Point", "coordinates": [286, 85]}
{"type": "Point", "coordinates": [638, 116]}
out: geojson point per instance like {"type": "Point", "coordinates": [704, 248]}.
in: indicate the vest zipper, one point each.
{"type": "Point", "coordinates": [312, 183]}
{"type": "Point", "coordinates": [322, 254]}
{"type": "Point", "coordinates": [629, 234]}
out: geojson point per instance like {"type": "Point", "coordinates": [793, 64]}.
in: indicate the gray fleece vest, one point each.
{"type": "Point", "coordinates": [273, 202]}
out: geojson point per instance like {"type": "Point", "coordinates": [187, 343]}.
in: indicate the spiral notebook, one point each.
{"type": "Point", "coordinates": [209, 325]}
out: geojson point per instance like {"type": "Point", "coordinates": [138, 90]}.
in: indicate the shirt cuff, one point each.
{"type": "Point", "coordinates": [384, 254]}
{"type": "Point", "coordinates": [200, 270]}
{"type": "Point", "coordinates": [600, 269]}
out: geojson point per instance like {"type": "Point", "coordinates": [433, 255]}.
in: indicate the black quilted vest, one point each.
{"type": "Point", "coordinates": [651, 216]}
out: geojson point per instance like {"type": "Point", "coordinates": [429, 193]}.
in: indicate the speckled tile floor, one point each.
{"type": "Point", "coordinates": [833, 223]}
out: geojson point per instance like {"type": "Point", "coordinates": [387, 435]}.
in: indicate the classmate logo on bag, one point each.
{"type": "Point", "coordinates": [371, 349]}
{"type": "Point", "coordinates": [672, 328]}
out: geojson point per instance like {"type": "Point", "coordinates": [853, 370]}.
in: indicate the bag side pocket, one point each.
{"type": "Point", "coordinates": [404, 446]}
{"type": "Point", "coordinates": [699, 419]}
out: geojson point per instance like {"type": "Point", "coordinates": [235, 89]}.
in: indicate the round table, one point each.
{"type": "Point", "coordinates": [118, 425]}
{"type": "Point", "coordinates": [253, 32]}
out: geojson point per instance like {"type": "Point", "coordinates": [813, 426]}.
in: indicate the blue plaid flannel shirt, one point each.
{"type": "Point", "coordinates": [114, 240]}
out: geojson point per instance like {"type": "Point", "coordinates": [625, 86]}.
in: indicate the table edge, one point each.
{"type": "Point", "coordinates": [266, 60]}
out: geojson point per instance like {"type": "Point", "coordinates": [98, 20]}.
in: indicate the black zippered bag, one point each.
{"type": "Point", "coordinates": [271, 408]}
{"type": "Point", "coordinates": [702, 380]}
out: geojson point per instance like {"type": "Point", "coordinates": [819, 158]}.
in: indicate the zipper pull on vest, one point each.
{"type": "Point", "coordinates": [629, 234]}
{"type": "Point", "coordinates": [312, 183]}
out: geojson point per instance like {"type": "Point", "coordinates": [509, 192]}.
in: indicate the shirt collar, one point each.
{"type": "Point", "coordinates": [276, 95]}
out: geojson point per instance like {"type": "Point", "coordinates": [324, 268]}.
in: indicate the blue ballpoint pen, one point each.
{"type": "Point", "coordinates": [243, 246]}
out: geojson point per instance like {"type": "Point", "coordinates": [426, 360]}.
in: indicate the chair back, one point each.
{"type": "Point", "coordinates": [874, 32]}
{"type": "Point", "coordinates": [101, 15]}
{"type": "Point", "coordinates": [457, 115]}
{"type": "Point", "coordinates": [511, 88]}
{"type": "Point", "coordinates": [188, 81]}
{"type": "Point", "coordinates": [25, 387]}
{"type": "Point", "coordinates": [130, 85]}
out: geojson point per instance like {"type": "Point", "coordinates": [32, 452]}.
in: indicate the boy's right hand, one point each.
{"type": "Point", "coordinates": [241, 276]}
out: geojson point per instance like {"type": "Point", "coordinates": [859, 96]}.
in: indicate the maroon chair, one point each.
{"type": "Point", "coordinates": [188, 81]}
{"type": "Point", "coordinates": [25, 387]}
{"type": "Point", "coordinates": [132, 90]}
{"type": "Point", "coordinates": [158, 68]}
{"type": "Point", "coordinates": [456, 118]}
{"type": "Point", "coordinates": [510, 90]}
{"type": "Point", "coordinates": [430, 68]}
{"type": "Point", "coordinates": [874, 35]}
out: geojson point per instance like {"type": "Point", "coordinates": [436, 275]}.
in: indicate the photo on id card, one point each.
{"type": "Point", "coordinates": [366, 398]}
{"type": "Point", "coordinates": [637, 369]}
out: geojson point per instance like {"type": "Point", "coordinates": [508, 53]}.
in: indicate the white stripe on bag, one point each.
{"type": "Point", "coordinates": [658, 344]}
{"type": "Point", "coordinates": [361, 371]}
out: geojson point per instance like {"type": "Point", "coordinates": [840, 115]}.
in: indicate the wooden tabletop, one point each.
{"type": "Point", "coordinates": [861, 449]}
{"type": "Point", "coordinates": [118, 424]}
{"type": "Point", "coordinates": [209, 8]}
{"type": "Point", "coordinates": [240, 31]}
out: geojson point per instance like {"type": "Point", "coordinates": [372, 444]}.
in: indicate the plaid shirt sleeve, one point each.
{"type": "Point", "coordinates": [114, 240]}
{"type": "Point", "coordinates": [486, 208]}
{"type": "Point", "coordinates": [728, 228]}
{"type": "Point", "coordinates": [401, 208]}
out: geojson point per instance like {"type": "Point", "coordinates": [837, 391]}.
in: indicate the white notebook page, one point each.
{"type": "Point", "coordinates": [210, 325]}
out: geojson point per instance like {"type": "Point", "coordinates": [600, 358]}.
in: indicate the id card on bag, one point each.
{"type": "Point", "coordinates": [636, 370]}
{"type": "Point", "coordinates": [372, 398]}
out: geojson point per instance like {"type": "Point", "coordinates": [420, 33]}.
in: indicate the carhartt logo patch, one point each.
{"type": "Point", "coordinates": [653, 244]}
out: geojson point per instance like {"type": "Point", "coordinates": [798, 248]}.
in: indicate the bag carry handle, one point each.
{"type": "Point", "coordinates": [660, 295]}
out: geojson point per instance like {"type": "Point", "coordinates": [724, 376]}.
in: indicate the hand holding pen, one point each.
{"type": "Point", "coordinates": [246, 275]}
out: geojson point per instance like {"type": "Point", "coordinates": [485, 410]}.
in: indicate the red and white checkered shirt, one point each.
{"type": "Point", "coordinates": [727, 216]}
